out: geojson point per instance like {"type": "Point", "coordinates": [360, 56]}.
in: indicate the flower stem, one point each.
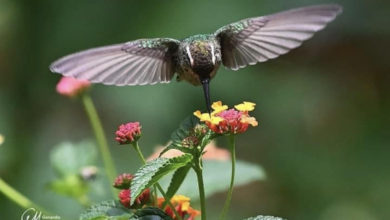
{"type": "Point", "coordinates": [198, 170]}
{"type": "Point", "coordinates": [136, 148]}
{"type": "Point", "coordinates": [100, 138]}
{"type": "Point", "coordinates": [232, 145]}
{"type": "Point", "coordinates": [141, 156]}
{"type": "Point", "coordinates": [18, 198]}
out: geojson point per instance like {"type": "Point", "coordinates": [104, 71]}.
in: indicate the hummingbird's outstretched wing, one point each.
{"type": "Point", "coordinates": [140, 62]}
{"type": "Point", "coordinates": [259, 39]}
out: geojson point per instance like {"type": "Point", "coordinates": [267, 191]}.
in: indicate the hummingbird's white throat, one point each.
{"type": "Point", "coordinates": [189, 55]}
{"type": "Point", "coordinates": [212, 53]}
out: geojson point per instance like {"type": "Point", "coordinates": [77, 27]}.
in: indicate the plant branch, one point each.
{"type": "Point", "coordinates": [100, 138]}
{"type": "Point", "coordinates": [19, 198]}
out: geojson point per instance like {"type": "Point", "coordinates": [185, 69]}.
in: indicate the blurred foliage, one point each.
{"type": "Point", "coordinates": [72, 162]}
{"type": "Point", "coordinates": [323, 108]}
{"type": "Point", "coordinates": [69, 159]}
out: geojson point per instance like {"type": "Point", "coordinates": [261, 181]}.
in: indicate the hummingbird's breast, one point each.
{"type": "Point", "coordinates": [199, 58]}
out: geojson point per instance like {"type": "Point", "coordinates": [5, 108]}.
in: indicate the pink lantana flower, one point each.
{"type": "Point", "coordinates": [128, 133]}
{"type": "Point", "coordinates": [71, 87]}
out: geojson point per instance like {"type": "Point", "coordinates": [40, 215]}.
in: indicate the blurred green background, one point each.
{"type": "Point", "coordinates": [324, 134]}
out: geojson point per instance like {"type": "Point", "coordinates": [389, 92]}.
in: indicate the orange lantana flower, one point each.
{"type": "Point", "coordinates": [182, 206]}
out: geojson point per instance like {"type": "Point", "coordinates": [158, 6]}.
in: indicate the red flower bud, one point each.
{"type": "Point", "coordinates": [124, 198]}
{"type": "Point", "coordinates": [128, 133]}
{"type": "Point", "coordinates": [123, 181]}
{"type": "Point", "coordinates": [143, 198]}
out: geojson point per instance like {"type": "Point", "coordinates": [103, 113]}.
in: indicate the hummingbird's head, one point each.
{"type": "Point", "coordinates": [204, 57]}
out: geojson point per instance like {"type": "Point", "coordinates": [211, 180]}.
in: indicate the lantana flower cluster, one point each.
{"type": "Point", "coordinates": [228, 121]}
{"type": "Point", "coordinates": [182, 206]}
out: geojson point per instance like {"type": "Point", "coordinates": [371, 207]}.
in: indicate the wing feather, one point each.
{"type": "Point", "coordinates": [154, 76]}
{"type": "Point", "coordinates": [140, 62]}
{"type": "Point", "coordinates": [107, 76]}
{"type": "Point", "coordinates": [145, 72]}
{"type": "Point", "coordinates": [129, 68]}
{"type": "Point", "coordinates": [262, 38]}
{"type": "Point", "coordinates": [92, 72]}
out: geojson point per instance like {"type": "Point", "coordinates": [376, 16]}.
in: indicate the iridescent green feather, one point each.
{"type": "Point", "coordinates": [156, 42]}
{"type": "Point", "coordinates": [199, 37]}
{"type": "Point", "coordinates": [234, 27]}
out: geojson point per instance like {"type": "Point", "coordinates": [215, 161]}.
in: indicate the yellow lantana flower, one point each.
{"type": "Point", "coordinates": [249, 120]}
{"type": "Point", "coordinates": [179, 199]}
{"type": "Point", "coordinates": [218, 107]}
{"type": "Point", "coordinates": [183, 200]}
{"type": "Point", "coordinates": [245, 106]}
{"type": "Point", "coordinates": [206, 117]}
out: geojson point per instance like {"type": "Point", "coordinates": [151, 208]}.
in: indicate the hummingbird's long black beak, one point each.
{"type": "Point", "coordinates": [206, 90]}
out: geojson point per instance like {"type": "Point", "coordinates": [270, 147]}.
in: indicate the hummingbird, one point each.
{"type": "Point", "coordinates": [196, 59]}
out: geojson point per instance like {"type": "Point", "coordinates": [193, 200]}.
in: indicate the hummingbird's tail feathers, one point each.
{"type": "Point", "coordinates": [206, 90]}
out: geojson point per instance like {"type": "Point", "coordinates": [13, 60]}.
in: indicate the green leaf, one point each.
{"type": "Point", "coordinates": [112, 210]}
{"type": "Point", "coordinates": [216, 176]}
{"type": "Point", "coordinates": [150, 213]}
{"type": "Point", "coordinates": [184, 130]}
{"type": "Point", "coordinates": [261, 217]}
{"type": "Point", "coordinates": [68, 159]}
{"type": "Point", "coordinates": [207, 138]}
{"type": "Point", "coordinates": [174, 146]}
{"type": "Point", "coordinates": [177, 179]}
{"type": "Point", "coordinates": [151, 172]}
